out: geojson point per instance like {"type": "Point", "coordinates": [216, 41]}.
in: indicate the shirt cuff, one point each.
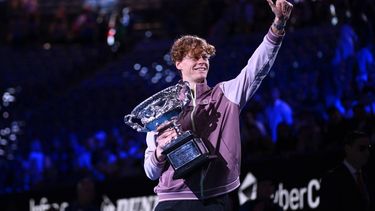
{"type": "Point", "coordinates": [274, 38]}
{"type": "Point", "coordinates": [156, 162]}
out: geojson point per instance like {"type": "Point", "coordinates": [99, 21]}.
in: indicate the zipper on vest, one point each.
{"type": "Point", "coordinates": [194, 96]}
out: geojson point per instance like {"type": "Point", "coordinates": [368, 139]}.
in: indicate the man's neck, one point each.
{"type": "Point", "coordinates": [193, 83]}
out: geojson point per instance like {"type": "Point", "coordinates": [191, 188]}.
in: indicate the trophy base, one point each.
{"type": "Point", "coordinates": [186, 153]}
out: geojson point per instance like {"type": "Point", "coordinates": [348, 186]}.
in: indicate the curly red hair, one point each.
{"type": "Point", "coordinates": [192, 45]}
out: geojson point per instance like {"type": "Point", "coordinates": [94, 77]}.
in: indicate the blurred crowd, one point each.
{"type": "Point", "coordinates": [73, 98]}
{"type": "Point", "coordinates": [85, 21]}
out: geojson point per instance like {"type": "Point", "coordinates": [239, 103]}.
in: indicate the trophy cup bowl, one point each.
{"type": "Point", "coordinates": [186, 152]}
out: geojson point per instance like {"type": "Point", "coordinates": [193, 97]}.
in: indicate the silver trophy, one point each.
{"type": "Point", "coordinates": [186, 152]}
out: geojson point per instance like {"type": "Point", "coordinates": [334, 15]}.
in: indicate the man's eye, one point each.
{"type": "Point", "coordinates": [205, 57]}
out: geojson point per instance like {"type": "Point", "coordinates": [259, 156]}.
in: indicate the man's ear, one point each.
{"type": "Point", "coordinates": [178, 65]}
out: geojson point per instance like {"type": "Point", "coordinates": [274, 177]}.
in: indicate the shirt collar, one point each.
{"type": "Point", "coordinates": [352, 170]}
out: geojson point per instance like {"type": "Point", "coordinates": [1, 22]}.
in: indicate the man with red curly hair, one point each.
{"type": "Point", "coordinates": [213, 115]}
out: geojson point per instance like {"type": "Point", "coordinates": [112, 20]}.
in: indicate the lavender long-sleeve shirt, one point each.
{"type": "Point", "coordinates": [215, 115]}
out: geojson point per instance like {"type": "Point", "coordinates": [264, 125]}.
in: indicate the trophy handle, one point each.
{"type": "Point", "coordinates": [128, 119]}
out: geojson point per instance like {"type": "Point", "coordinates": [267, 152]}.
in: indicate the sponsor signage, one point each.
{"type": "Point", "coordinates": [295, 198]}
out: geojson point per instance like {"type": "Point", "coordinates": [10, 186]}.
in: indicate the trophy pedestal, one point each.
{"type": "Point", "coordinates": [186, 153]}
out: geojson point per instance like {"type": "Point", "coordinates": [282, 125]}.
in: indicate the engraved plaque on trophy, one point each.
{"type": "Point", "coordinates": [186, 152]}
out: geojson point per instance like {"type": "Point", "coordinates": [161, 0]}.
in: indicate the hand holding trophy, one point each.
{"type": "Point", "coordinates": [160, 112]}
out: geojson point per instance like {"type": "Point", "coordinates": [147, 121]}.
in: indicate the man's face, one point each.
{"type": "Point", "coordinates": [358, 153]}
{"type": "Point", "coordinates": [194, 70]}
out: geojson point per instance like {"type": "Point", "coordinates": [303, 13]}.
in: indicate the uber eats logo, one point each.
{"type": "Point", "coordinates": [288, 199]}
{"type": "Point", "coordinates": [298, 198]}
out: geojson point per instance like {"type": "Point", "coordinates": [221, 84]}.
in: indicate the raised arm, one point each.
{"type": "Point", "coordinates": [282, 10]}
{"type": "Point", "coordinates": [240, 89]}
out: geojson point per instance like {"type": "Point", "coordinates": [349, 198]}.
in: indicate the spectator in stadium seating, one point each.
{"type": "Point", "coordinates": [278, 111]}
{"type": "Point", "coordinates": [86, 197]}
